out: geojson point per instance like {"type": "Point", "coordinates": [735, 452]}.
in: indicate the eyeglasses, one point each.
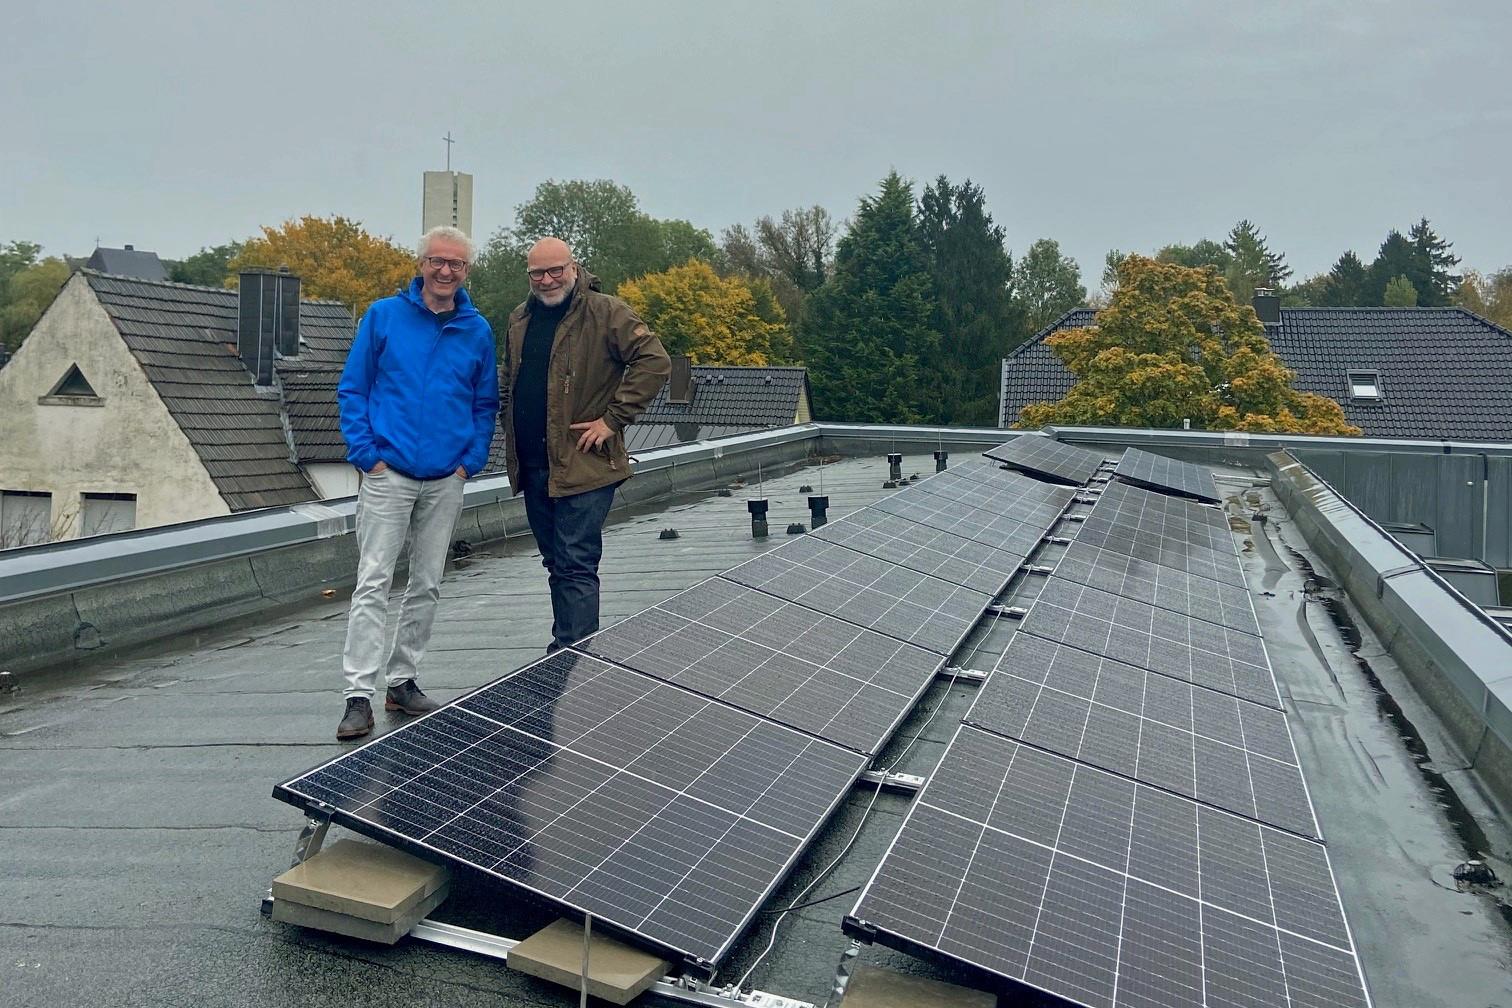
{"type": "Point", "coordinates": [455, 265]}
{"type": "Point", "coordinates": [554, 272]}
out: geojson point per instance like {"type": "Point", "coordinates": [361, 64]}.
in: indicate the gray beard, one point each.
{"type": "Point", "coordinates": [563, 294]}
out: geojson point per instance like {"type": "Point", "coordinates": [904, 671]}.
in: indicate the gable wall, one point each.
{"type": "Point", "coordinates": [130, 444]}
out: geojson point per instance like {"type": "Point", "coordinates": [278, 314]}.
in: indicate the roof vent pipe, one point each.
{"type": "Point", "coordinates": [758, 508]}
{"type": "Point", "coordinates": [942, 459]}
{"type": "Point", "coordinates": [818, 510]}
{"type": "Point", "coordinates": [895, 466]}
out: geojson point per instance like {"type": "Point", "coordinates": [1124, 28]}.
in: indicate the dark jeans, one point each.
{"type": "Point", "coordinates": [569, 533]}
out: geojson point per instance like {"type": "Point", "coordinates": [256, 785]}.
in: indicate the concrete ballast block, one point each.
{"type": "Point", "coordinates": [616, 971]}
{"type": "Point", "coordinates": [355, 927]}
{"type": "Point", "coordinates": [367, 881]}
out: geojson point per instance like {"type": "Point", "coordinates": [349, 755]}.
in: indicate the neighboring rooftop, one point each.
{"type": "Point", "coordinates": [128, 262]}
{"type": "Point", "coordinates": [721, 400]}
{"type": "Point", "coordinates": [1397, 372]}
{"type": "Point", "coordinates": [184, 337]}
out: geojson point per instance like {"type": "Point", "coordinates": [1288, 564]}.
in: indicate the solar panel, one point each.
{"type": "Point", "coordinates": [979, 469]}
{"type": "Point", "coordinates": [1172, 548]}
{"type": "Point", "coordinates": [809, 671]}
{"type": "Point", "coordinates": [1149, 727]}
{"type": "Point", "coordinates": [922, 548]}
{"type": "Point", "coordinates": [1048, 457]}
{"type": "Point", "coordinates": [998, 531]}
{"type": "Point", "coordinates": [868, 592]}
{"type": "Point", "coordinates": [1161, 473]}
{"type": "Point", "coordinates": [1126, 502]}
{"type": "Point", "coordinates": [1163, 587]}
{"type": "Point", "coordinates": [667, 815]}
{"type": "Point", "coordinates": [1158, 640]}
{"type": "Point", "coordinates": [1013, 496]}
{"type": "Point", "coordinates": [1106, 892]}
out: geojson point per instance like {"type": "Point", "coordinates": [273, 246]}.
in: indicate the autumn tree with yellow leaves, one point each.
{"type": "Point", "coordinates": [1173, 345]}
{"type": "Point", "coordinates": [333, 257]}
{"type": "Point", "coordinates": [713, 319]}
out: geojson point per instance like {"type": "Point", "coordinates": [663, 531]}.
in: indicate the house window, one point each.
{"type": "Point", "coordinates": [1365, 385]}
{"type": "Point", "coordinates": [73, 389]}
{"type": "Point", "coordinates": [103, 513]}
{"type": "Point", "coordinates": [25, 518]}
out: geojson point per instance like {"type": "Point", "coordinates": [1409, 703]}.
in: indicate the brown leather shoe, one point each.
{"type": "Point", "coordinates": [357, 721]}
{"type": "Point", "coordinates": [407, 697]}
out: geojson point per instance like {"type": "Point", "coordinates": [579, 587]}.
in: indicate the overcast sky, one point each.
{"type": "Point", "coordinates": [1130, 125]}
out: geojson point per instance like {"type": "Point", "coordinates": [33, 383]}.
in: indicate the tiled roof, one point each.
{"type": "Point", "coordinates": [726, 400]}
{"type": "Point", "coordinates": [184, 337]}
{"type": "Point", "coordinates": [310, 402]}
{"type": "Point", "coordinates": [128, 262]}
{"type": "Point", "coordinates": [1444, 372]}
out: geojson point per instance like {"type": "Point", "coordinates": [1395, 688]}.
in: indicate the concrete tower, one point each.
{"type": "Point", "coordinates": [447, 197]}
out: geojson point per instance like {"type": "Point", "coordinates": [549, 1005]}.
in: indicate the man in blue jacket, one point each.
{"type": "Point", "coordinates": [419, 397]}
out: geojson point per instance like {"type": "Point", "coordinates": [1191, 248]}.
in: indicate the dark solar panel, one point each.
{"type": "Point", "coordinates": [1177, 548]}
{"type": "Point", "coordinates": [777, 659]}
{"type": "Point", "coordinates": [1107, 892]}
{"type": "Point", "coordinates": [1209, 746]}
{"type": "Point", "coordinates": [979, 469]}
{"type": "Point", "coordinates": [998, 531]}
{"type": "Point", "coordinates": [668, 815]}
{"type": "Point", "coordinates": [1161, 473]}
{"type": "Point", "coordinates": [1048, 457]}
{"type": "Point", "coordinates": [1163, 587]}
{"type": "Point", "coordinates": [873, 593]}
{"type": "Point", "coordinates": [1013, 496]}
{"type": "Point", "coordinates": [928, 550]}
{"type": "Point", "coordinates": [1159, 640]}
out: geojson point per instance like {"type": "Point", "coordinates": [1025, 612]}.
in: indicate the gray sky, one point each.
{"type": "Point", "coordinates": [179, 125]}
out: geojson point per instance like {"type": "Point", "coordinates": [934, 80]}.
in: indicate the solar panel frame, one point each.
{"type": "Point", "coordinates": [861, 589]}
{"type": "Point", "coordinates": [1060, 877]}
{"type": "Point", "coordinates": [813, 672]}
{"type": "Point", "coordinates": [1158, 640]}
{"type": "Point", "coordinates": [1048, 457]}
{"type": "Point", "coordinates": [1017, 497]}
{"type": "Point", "coordinates": [689, 757]}
{"type": "Point", "coordinates": [1211, 747]}
{"type": "Point", "coordinates": [1168, 474]}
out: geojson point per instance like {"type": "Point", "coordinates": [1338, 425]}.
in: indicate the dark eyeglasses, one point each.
{"type": "Point", "coordinates": [436, 262]}
{"type": "Point", "coordinates": [554, 272]}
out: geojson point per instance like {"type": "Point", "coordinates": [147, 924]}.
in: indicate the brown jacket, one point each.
{"type": "Point", "coordinates": [605, 362]}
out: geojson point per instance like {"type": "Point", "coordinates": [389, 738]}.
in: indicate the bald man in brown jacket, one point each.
{"type": "Point", "coordinates": [579, 367]}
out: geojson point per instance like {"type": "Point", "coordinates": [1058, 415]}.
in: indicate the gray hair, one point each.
{"type": "Point", "coordinates": [446, 233]}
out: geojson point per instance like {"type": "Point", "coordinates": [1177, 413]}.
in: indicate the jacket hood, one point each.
{"type": "Point", "coordinates": [413, 295]}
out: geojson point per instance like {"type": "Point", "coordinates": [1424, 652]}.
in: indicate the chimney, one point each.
{"type": "Point", "coordinates": [267, 320]}
{"type": "Point", "coordinates": [288, 312]}
{"type": "Point", "coordinates": [130, 247]}
{"type": "Point", "coordinates": [1267, 304]}
{"type": "Point", "coordinates": [680, 385]}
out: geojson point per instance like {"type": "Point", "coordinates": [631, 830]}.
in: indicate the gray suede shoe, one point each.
{"type": "Point", "coordinates": [407, 697]}
{"type": "Point", "coordinates": [357, 721]}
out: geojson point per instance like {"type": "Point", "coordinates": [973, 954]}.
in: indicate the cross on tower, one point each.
{"type": "Point", "coordinates": [449, 142]}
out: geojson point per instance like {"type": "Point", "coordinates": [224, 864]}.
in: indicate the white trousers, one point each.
{"type": "Point", "coordinates": [390, 510]}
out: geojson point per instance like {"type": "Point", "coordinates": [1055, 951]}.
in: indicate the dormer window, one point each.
{"type": "Point", "coordinates": [1365, 386]}
{"type": "Point", "coordinates": [73, 389]}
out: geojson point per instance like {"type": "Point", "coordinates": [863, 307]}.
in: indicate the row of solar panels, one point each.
{"type": "Point", "coordinates": [1066, 463]}
{"type": "Point", "coordinates": [665, 774]}
{"type": "Point", "coordinates": [1120, 819]}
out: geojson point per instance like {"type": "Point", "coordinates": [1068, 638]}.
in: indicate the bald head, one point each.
{"type": "Point", "coordinates": [552, 271]}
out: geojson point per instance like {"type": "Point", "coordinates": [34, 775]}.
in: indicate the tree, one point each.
{"type": "Point", "coordinates": [497, 282]}
{"type": "Point", "coordinates": [1251, 263]}
{"type": "Point", "coordinates": [974, 311]}
{"type": "Point", "coordinates": [1347, 283]}
{"type": "Point", "coordinates": [1307, 294]}
{"type": "Point", "coordinates": [1046, 285]}
{"type": "Point", "coordinates": [209, 267]}
{"type": "Point", "coordinates": [333, 257]}
{"type": "Point", "coordinates": [28, 292]}
{"type": "Point", "coordinates": [713, 320]}
{"type": "Point", "coordinates": [867, 330]}
{"type": "Point", "coordinates": [1433, 253]}
{"type": "Point", "coordinates": [16, 256]}
{"type": "Point", "coordinates": [1400, 293]}
{"type": "Point", "coordinates": [1490, 297]}
{"type": "Point", "coordinates": [1175, 345]}
{"type": "Point", "coordinates": [792, 252]}
{"type": "Point", "coordinates": [1205, 253]}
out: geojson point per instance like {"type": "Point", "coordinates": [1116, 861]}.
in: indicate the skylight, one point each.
{"type": "Point", "coordinates": [1365, 385]}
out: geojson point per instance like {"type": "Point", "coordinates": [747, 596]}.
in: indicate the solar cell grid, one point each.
{"type": "Point", "coordinates": [1132, 502]}
{"type": "Point", "coordinates": [1107, 892]}
{"type": "Point", "coordinates": [1017, 497]}
{"type": "Point", "coordinates": [1158, 640]}
{"type": "Point", "coordinates": [928, 550]}
{"type": "Point", "coordinates": [1176, 550]}
{"type": "Point", "coordinates": [670, 817]}
{"type": "Point", "coordinates": [998, 531]}
{"type": "Point", "coordinates": [980, 469]}
{"type": "Point", "coordinates": [1164, 587]}
{"type": "Point", "coordinates": [809, 671]}
{"type": "Point", "coordinates": [1169, 474]}
{"type": "Point", "coordinates": [1146, 726]}
{"type": "Point", "coordinates": [1048, 457]}
{"type": "Point", "coordinates": [873, 593]}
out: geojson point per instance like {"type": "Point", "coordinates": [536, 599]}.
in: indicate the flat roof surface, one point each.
{"type": "Point", "coordinates": [140, 834]}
